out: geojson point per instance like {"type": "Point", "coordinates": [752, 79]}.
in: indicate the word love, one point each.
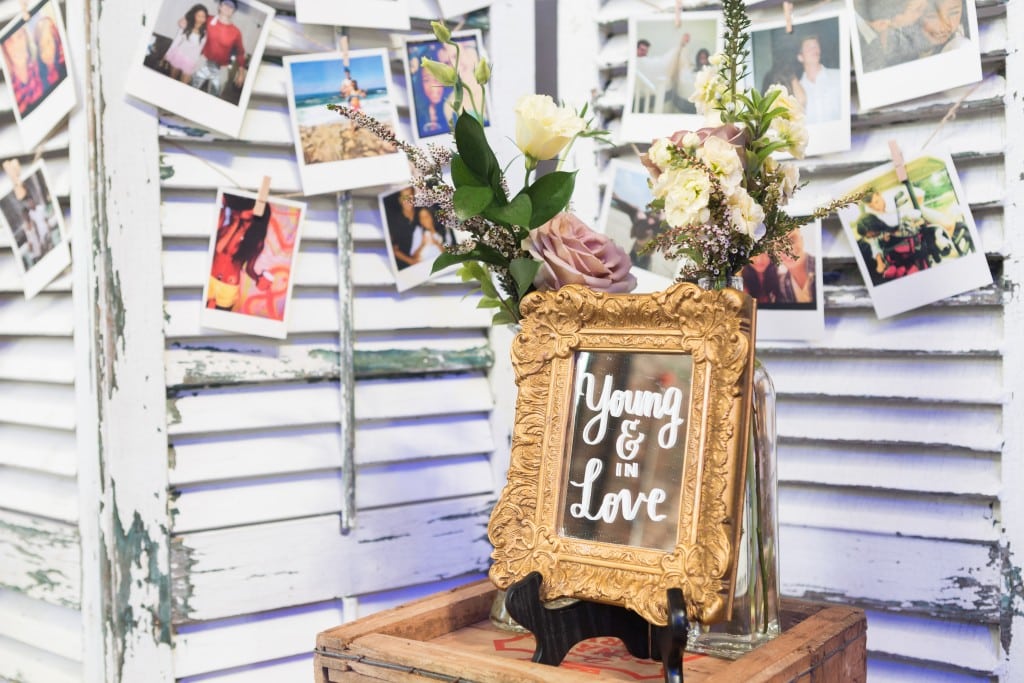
{"type": "Point", "coordinates": [618, 402]}
{"type": "Point", "coordinates": [612, 503]}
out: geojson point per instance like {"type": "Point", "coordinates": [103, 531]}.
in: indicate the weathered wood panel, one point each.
{"type": "Point", "coordinates": [40, 559]}
{"type": "Point", "coordinates": [23, 664]}
{"type": "Point", "coordinates": [49, 628]}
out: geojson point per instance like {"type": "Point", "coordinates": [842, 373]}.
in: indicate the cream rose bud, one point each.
{"type": "Point", "coordinates": [543, 129]}
{"type": "Point", "coordinates": [572, 253]}
{"type": "Point", "coordinates": [686, 192]}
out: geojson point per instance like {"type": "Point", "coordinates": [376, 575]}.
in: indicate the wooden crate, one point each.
{"type": "Point", "coordinates": [447, 637]}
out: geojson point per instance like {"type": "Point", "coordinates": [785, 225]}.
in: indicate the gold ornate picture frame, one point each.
{"type": "Point", "coordinates": [629, 448]}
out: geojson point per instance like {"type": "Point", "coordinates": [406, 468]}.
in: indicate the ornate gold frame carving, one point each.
{"type": "Point", "coordinates": [716, 328]}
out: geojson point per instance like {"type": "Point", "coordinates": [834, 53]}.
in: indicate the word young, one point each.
{"type": "Point", "coordinates": [616, 402]}
{"type": "Point", "coordinates": [613, 502]}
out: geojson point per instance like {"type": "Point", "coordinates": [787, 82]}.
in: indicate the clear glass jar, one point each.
{"type": "Point", "coordinates": [755, 615]}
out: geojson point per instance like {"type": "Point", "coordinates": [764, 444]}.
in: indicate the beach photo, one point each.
{"type": "Point", "coordinates": [200, 60]}
{"type": "Point", "coordinates": [915, 240]}
{"type": "Point", "coordinates": [431, 108]}
{"type": "Point", "coordinates": [333, 153]}
{"type": "Point", "coordinates": [251, 260]}
{"type": "Point", "coordinates": [664, 61]}
{"type": "Point", "coordinates": [811, 59]}
{"type": "Point", "coordinates": [35, 223]}
{"type": "Point", "coordinates": [909, 48]}
{"type": "Point", "coordinates": [37, 70]}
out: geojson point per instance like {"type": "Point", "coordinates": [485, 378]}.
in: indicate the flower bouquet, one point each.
{"type": "Point", "coordinates": [514, 243]}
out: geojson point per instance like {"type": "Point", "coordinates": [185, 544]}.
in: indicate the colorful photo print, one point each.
{"type": "Point", "coordinates": [904, 49]}
{"type": "Point", "coordinates": [201, 58]}
{"type": "Point", "coordinates": [251, 257]}
{"type": "Point", "coordinates": [392, 14]}
{"type": "Point", "coordinates": [626, 219]}
{"type": "Point", "coordinates": [788, 294]}
{"type": "Point", "coordinates": [812, 61]}
{"type": "Point", "coordinates": [333, 153]}
{"type": "Point", "coordinates": [36, 225]}
{"type": "Point", "coordinates": [915, 240]}
{"type": "Point", "coordinates": [430, 101]}
{"type": "Point", "coordinates": [664, 61]}
{"type": "Point", "coordinates": [37, 69]}
{"type": "Point", "coordinates": [415, 236]}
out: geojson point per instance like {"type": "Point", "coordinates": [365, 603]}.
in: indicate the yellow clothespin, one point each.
{"type": "Point", "coordinates": [13, 169]}
{"type": "Point", "coordinates": [897, 161]}
{"type": "Point", "coordinates": [787, 11]}
{"type": "Point", "coordinates": [261, 197]}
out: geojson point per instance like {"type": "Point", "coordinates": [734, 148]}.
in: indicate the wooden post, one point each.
{"type": "Point", "coordinates": [120, 394]}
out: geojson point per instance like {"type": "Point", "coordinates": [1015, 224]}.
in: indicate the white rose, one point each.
{"type": "Point", "coordinates": [709, 89]}
{"type": "Point", "coordinates": [543, 129]}
{"type": "Point", "coordinates": [686, 192]}
{"type": "Point", "coordinates": [660, 153]}
{"type": "Point", "coordinates": [747, 215]}
{"type": "Point", "coordinates": [790, 179]}
{"type": "Point", "coordinates": [721, 157]}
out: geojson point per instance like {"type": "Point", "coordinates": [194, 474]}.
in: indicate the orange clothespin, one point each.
{"type": "Point", "coordinates": [25, 16]}
{"type": "Point", "coordinates": [13, 169]}
{"type": "Point", "coordinates": [343, 47]}
{"type": "Point", "coordinates": [897, 161]}
{"type": "Point", "coordinates": [787, 11]}
{"type": "Point", "coordinates": [261, 197]}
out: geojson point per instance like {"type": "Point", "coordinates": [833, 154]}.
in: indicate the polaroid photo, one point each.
{"type": "Point", "coordinates": [36, 225]}
{"type": "Point", "coordinates": [333, 153]}
{"type": "Point", "coordinates": [907, 50]}
{"type": "Point", "coordinates": [37, 69]}
{"type": "Point", "coordinates": [663, 64]}
{"type": "Point", "coordinates": [915, 241]}
{"type": "Point", "coordinates": [429, 101]}
{"type": "Point", "coordinates": [415, 236]}
{"type": "Point", "coordinates": [390, 14]}
{"type": "Point", "coordinates": [626, 220]}
{"type": "Point", "coordinates": [249, 282]}
{"type": "Point", "coordinates": [812, 61]}
{"type": "Point", "coordinates": [455, 8]}
{"type": "Point", "coordinates": [789, 295]}
{"type": "Point", "coordinates": [200, 60]}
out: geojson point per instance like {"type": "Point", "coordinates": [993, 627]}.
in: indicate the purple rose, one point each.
{"type": "Point", "coordinates": [572, 253]}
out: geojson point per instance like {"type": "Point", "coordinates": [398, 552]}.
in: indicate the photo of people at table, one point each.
{"type": "Point", "coordinates": [893, 32]}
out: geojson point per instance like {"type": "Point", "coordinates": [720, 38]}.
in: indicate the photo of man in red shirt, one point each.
{"type": "Point", "coordinates": [223, 41]}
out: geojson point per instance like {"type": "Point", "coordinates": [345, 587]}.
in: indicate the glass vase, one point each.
{"type": "Point", "coordinates": [755, 611]}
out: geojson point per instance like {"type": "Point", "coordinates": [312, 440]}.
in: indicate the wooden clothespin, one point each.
{"type": "Point", "coordinates": [679, 13]}
{"type": "Point", "coordinates": [343, 48]}
{"type": "Point", "coordinates": [13, 169]}
{"type": "Point", "coordinates": [787, 11]}
{"type": "Point", "coordinates": [897, 161]}
{"type": "Point", "coordinates": [25, 15]}
{"type": "Point", "coordinates": [261, 197]}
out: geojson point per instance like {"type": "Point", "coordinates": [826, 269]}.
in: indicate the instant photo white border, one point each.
{"type": "Point", "coordinates": [55, 261]}
{"type": "Point", "coordinates": [919, 77]}
{"type": "Point", "coordinates": [646, 127]}
{"type": "Point", "coordinates": [345, 174]}
{"type": "Point", "coordinates": [927, 286]}
{"type": "Point", "coordinates": [646, 280]}
{"type": "Point", "coordinates": [192, 103]}
{"type": "Point", "coordinates": [393, 14]}
{"type": "Point", "coordinates": [449, 137]}
{"type": "Point", "coordinates": [795, 324]}
{"type": "Point", "coordinates": [416, 274]}
{"type": "Point", "coordinates": [240, 322]}
{"type": "Point", "coordinates": [58, 102]}
{"type": "Point", "coordinates": [832, 136]}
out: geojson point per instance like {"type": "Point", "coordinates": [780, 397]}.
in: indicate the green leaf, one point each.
{"type": "Point", "coordinates": [463, 175]}
{"type": "Point", "coordinates": [550, 194]}
{"type": "Point", "coordinates": [471, 200]}
{"type": "Point", "coordinates": [516, 212]}
{"type": "Point", "coordinates": [474, 149]}
{"type": "Point", "coordinates": [503, 317]}
{"type": "Point", "coordinates": [523, 270]}
{"type": "Point", "coordinates": [488, 302]}
{"type": "Point", "coordinates": [481, 253]}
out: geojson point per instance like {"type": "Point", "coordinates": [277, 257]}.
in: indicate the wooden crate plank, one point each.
{"type": "Point", "coordinates": [39, 493]}
{"type": "Point", "coordinates": [43, 450]}
{"type": "Point", "coordinates": [37, 360]}
{"type": "Point", "coordinates": [40, 559]}
{"type": "Point", "coordinates": [886, 467]}
{"type": "Point", "coordinates": [208, 458]}
{"type": "Point", "coordinates": [54, 629]}
{"type": "Point", "coordinates": [421, 481]}
{"type": "Point", "coordinates": [219, 645]}
{"type": "Point", "coordinates": [953, 580]}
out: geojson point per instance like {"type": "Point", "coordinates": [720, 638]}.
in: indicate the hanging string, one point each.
{"type": "Point", "coordinates": [306, 38]}
{"type": "Point", "coordinates": [220, 171]}
{"type": "Point", "coordinates": [951, 113]}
